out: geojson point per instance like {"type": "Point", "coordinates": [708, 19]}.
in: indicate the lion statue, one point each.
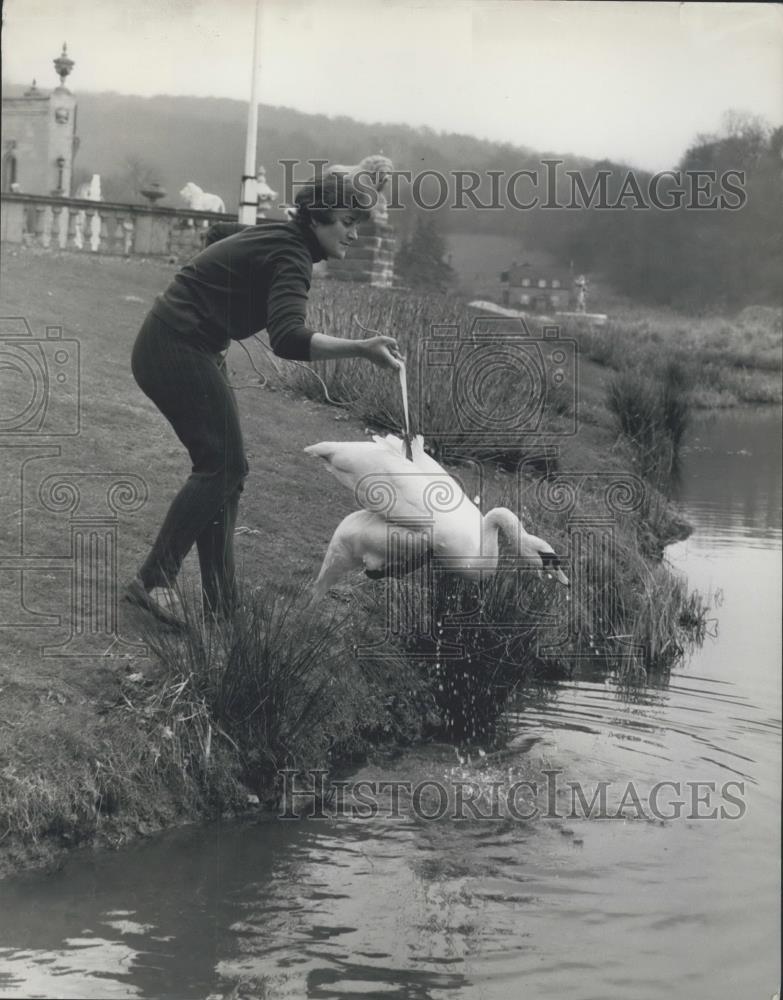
{"type": "Point", "coordinates": [201, 201]}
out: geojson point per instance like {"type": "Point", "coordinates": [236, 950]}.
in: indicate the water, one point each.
{"type": "Point", "coordinates": [584, 908]}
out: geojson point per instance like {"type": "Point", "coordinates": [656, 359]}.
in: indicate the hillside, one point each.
{"type": "Point", "coordinates": [698, 261]}
{"type": "Point", "coordinates": [192, 138]}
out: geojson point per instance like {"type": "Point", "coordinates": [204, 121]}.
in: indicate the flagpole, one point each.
{"type": "Point", "coordinates": [248, 198]}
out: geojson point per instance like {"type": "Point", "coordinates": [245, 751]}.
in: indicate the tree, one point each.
{"type": "Point", "coordinates": [126, 186]}
{"type": "Point", "coordinates": [421, 260]}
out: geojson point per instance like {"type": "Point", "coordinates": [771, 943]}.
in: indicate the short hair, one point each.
{"type": "Point", "coordinates": [318, 200]}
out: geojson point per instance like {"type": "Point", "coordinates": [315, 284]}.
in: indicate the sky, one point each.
{"type": "Point", "coordinates": [634, 82]}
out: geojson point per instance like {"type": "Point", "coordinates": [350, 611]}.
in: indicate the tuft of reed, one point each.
{"type": "Point", "coordinates": [279, 686]}
{"type": "Point", "coordinates": [651, 410]}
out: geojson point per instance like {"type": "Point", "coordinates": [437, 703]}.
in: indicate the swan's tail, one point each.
{"type": "Point", "coordinates": [324, 449]}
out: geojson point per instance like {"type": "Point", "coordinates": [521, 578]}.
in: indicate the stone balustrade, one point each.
{"type": "Point", "coordinates": [53, 223]}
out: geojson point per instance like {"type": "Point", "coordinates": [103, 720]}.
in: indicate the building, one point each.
{"type": "Point", "coordinates": [523, 287]}
{"type": "Point", "coordinates": [38, 139]}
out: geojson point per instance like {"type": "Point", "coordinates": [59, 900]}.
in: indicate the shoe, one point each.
{"type": "Point", "coordinates": [161, 602]}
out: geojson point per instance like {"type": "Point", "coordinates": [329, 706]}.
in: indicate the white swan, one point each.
{"type": "Point", "coordinates": [430, 513]}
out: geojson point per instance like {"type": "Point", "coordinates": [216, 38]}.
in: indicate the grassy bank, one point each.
{"type": "Point", "coordinates": [102, 749]}
{"type": "Point", "coordinates": [721, 361]}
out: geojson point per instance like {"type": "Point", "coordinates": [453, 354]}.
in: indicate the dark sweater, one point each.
{"type": "Point", "coordinates": [247, 278]}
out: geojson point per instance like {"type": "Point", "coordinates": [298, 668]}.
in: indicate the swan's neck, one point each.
{"type": "Point", "coordinates": [496, 520]}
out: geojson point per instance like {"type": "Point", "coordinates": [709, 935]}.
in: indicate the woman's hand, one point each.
{"type": "Point", "coordinates": [383, 351]}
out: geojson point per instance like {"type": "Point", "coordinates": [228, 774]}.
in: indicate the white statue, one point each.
{"type": "Point", "coordinates": [581, 285]}
{"type": "Point", "coordinates": [370, 173]}
{"type": "Point", "coordinates": [201, 201]}
{"type": "Point", "coordinates": [89, 191]}
{"type": "Point", "coordinates": [264, 194]}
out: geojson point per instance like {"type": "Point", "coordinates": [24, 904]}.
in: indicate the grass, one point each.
{"type": "Point", "coordinates": [99, 749]}
{"type": "Point", "coordinates": [721, 362]}
{"type": "Point", "coordinates": [113, 778]}
{"type": "Point", "coordinates": [413, 318]}
{"type": "Point", "coordinates": [224, 709]}
{"type": "Point", "coordinates": [651, 409]}
{"type": "Point", "coordinates": [279, 686]}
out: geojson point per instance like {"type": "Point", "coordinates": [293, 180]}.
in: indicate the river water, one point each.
{"type": "Point", "coordinates": [399, 906]}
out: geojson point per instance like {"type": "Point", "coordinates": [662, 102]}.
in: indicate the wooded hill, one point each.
{"type": "Point", "coordinates": [687, 257]}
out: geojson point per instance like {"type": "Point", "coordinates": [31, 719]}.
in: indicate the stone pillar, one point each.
{"type": "Point", "coordinates": [62, 131]}
{"type": "Point", "coordinates": [371, 259]}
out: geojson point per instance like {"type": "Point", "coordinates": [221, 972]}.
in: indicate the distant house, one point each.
{"type": "Point", "coordinates": [524, 287]}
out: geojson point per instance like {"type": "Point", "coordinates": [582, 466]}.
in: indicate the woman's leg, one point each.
{"type": "Point", "coordinates": [216, 558]}
{"type": "Point", "coordinates": [191, 390]}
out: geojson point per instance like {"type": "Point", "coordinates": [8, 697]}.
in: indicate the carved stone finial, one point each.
{"type": "Point", "coordinates": [63, 65]}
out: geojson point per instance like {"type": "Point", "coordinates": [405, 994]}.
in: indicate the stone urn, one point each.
{"type": "Point", "coordinates": [153, 193]}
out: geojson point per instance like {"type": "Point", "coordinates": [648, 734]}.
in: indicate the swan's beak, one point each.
{"type": "Point", "coordinates": [551, 564]}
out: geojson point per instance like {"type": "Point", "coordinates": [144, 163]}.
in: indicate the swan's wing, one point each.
{"type": "Point", "coordinates": [381, 481]}
{"type": "Point", "coordinates": [421, 459]}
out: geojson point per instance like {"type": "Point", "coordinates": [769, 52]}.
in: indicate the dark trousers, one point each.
{"type": "Point", "coordinates": [188, 384]}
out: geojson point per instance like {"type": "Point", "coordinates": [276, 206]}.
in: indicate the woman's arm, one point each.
{"type": "Point", "coordinates": [382, 351]}
{"type": "Point", "coordinates": [291, 338]}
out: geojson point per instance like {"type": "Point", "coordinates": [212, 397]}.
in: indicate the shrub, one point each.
{"type": "Point", "coordinates": [280, 686]}
{"type": "Point", "coordinates": [651, 410]}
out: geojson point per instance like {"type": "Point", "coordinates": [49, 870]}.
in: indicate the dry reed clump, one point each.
{"type": "Point", "coordinates": [651, 410]}
{"type": "Point", "coordinates": [278, 687]}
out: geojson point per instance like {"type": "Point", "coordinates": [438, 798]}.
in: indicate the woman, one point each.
{"type": "Point", "coordinates": [249, 279]}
